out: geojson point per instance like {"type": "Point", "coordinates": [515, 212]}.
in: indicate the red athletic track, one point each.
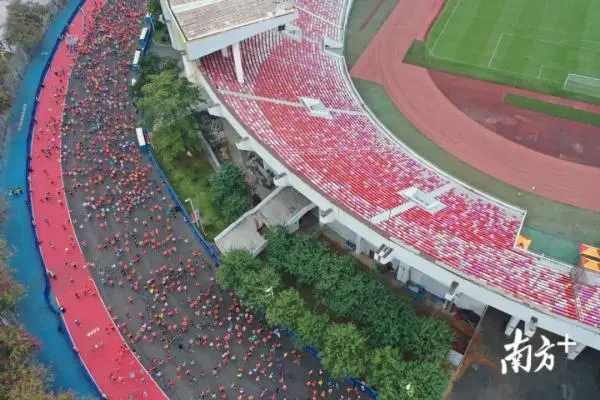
{"type": "Point", "coordinates": [484, 103]}
{"type": "Point", "coordinates": [420, 100]}
{"type": "Point", "coordinates": [108, 359]}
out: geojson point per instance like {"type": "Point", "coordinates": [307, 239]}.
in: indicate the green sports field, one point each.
{"type": "Point", "coordinates": [530, 43]}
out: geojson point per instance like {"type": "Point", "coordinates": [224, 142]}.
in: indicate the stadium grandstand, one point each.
{"type": "Point", "coordinates": [275, 71]}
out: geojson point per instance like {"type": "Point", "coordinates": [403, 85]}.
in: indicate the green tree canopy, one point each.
{"type": "Point", "coordinates": [228, 180]}
{"type": "Point", "coordinates": [254, 282]}
{"type": "Point", "coordinates": [234, 207]}
{"type": "Point", "coordinates": [344, 351]}
{"type": "Point", "coordinates": [304, 258]}
{"type": "Point", "coordinates": [279, 246]}
{"type": "Point", "coordinates": [312, 328]}
{"type": "Point", "coordinates": [388, 373]}
{"type": "Point", "coordinates": [427, 380]}
{"type": "Point", "coordinates": [25, 23]}
{"type": "Point", "coordinates": [150, 65]}
{"type": "Point", "coordinates": [154, 8]}
{"type": "Point", "coordinates": [234, 265]}
{"type": "Point", "coordinates": [167, 107]}
{"type": "Point", "coordinates": [396, 379]}
{"type": "Point", "coordinates": [286, 309]}
{"type": "Point", "coordinates": [228, 188]}
{"type": "Point", "coordinates": [260, 287]}
{"type": "Point", "coordinates": [432, 340]}
{"type": "Point", "coordinates": [167, 98]}
{"type": "Point", "coordinates": [172, 141]}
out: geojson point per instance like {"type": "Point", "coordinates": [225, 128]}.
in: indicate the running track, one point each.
{"type": "Point", "coordinates": [420, 100]}
{"type": "Point", "coordinates": [108, 359]}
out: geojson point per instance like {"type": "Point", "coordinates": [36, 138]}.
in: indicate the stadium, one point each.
{"type": "Point", "coordinates": [282, 83]}
{"type": "Point", "coordinates": [446, 145]}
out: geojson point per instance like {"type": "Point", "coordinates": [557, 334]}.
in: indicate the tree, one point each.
{"type": "Point", "coordinates": [10, 290]}
{"type": "Point", "coordinates": [173, 141]}
{"type": "Point", "coordinates": [280, 243]}
{"type": "Point", "coordinates": [427, 380]}
{"type": "Point", "coordinates": [2, 209]}
{"type": "Point", "coordinates": [234, 207]}
{"type": "Point", "coordinates": [339, 284]}
{"type": "Point", "coordinates": [167, 106]}
{"type": "Point", "coordinates": [259, 288]}
{"type": "Point", "coordinates": [228, 187]}
{"type": "Point", "coordinates": [234, 265]}
{"type": "Point", "coordinates": [312, 328]}
{"type": "Point", "coordinates": [344, 351]}
{"type": "Point", "coordinates": [167, 98]}
{"type": "Point", "coordinates": [25, 23]}
{"type": "Point", "coordinates": [388, 373]}
{"type": "Point", "coordinates": [150, 65]}
{"type": "Point", "coordinates": [254, 282]}
{"type": "Point", "coordinates": [303, 259]}
{"type": "Point", "coordinates": [432, 340]}
{"type": "Point", "coordinates": [389, 321]}
{"type": "Point", "coordinates": [229, 179]}
{"type": "Point", "coordinates": [154, 8]}
{"type": "Point", "coordinates": [286, 309]}
{"type": "Point", "coordinates": [16, 346]}
{"type": "Point", "coordinates": [396, 379]}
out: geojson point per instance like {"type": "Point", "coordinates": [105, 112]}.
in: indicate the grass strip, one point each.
{"type": "Point", "coordinates": [418, 54]}
{"type": "Point", "coordinates": [189, 177]}
{"type": "Point", "coordinates": [556, 110]}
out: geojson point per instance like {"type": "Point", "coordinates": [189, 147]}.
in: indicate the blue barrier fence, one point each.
{"type": "Point", "coordinates": [47, 285]}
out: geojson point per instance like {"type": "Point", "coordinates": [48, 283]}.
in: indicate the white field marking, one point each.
{"type": "Point", "coordinates": [496, 49]}
{"type": "Point", "coordinates": [511, 24]}
{"type": "Point", "coordinates": [483, 66]}
{"type": "Point", "coordinates": [553, 43]}
{"type": "Point", "coordinates": [432, 50]}
{"type": "Point", "coordinates": [540, 73]}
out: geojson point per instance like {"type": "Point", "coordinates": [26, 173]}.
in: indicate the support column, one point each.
{"type": "Point", "coordinates": [225, 51]}
{"type": "Point", "coordinates": [512, 324]}
{"type": "Point", "coordinates": [358, 242]}
{"type": "Point", "coordinates": [575, 350]}
{"type": "Point", "coordinates": [237, 60]}
{"type": "Point", "coordinates": [403, 273]}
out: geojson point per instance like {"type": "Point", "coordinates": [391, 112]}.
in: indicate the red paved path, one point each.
{"type": "Point", "coordinates": [111, 363]}
{"type": "Point", "coordinates": [420, 100]}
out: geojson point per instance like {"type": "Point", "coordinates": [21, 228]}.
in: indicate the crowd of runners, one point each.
{"type": "Point", "coordinates": [194, 338]}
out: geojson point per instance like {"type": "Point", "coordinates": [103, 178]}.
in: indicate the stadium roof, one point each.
{"type": "Point", "coordinates": [202, 18]}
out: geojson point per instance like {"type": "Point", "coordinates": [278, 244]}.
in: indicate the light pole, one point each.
{"type": "Point", "coordinates": [195, 212]}
{"type": "Point", "coordinates": [84, 15]}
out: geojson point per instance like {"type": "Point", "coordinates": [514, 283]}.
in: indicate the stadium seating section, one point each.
{"type": "Point", "coordinates": [353, 161]}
